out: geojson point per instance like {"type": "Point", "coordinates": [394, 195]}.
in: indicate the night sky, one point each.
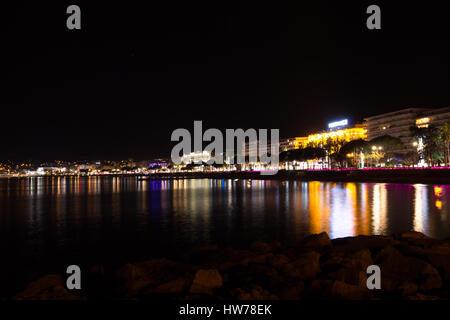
{"type": "Point", "coordinates": [118, 87]}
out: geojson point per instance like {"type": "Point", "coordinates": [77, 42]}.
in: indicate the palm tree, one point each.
{"type": "Point", "coordinates": [445, 139]}
{"type": "Point", "coordinates": [432, 141]}
{"type": "Point", "coordinates": [355, 147]}
{"type": "Point", "coordinates": [383, 147]}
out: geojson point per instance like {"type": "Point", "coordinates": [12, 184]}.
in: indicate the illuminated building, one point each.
{"type": "Point", "coordinates": [196, 157]}
{"type": "Point", "coordinates": [283, 145]}
{"type": "Point", "coordinates": [158, 163]}
{"type": "Point", "coordinates": [396, 124]}
{"type": "Point", "coordinates": [340, 135]}
{"type": "Point", "coordinates": [293, 143]}
{"type": "Point", "coordinates": [423, 122]}
{"type": "Point", "coordinates": [435, 117]}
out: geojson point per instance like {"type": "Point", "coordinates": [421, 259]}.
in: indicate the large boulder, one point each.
{"type": "Point", "coordinates": [437, 255]}
{"type": "Point", "coordinates": [260, 259]}
{"type": "Point", "coordinates": [131, 279]}
{"type": "Point", "coordinates": [176, 286]}
{"type": "Point", "coordinates": [397, 268]}
{"type": "Point", "coordinates": [317, 241]}
{"type": "Point", "coordinates": [352, 244]}
{"type": "Point", "coordinates": [306, 266]}
{"type": "Point", "coordinates": [416, 238]}
{"type": "Point", "coordinates": [260, 247]}
{"type": "Point", "coordinates": [48, 287]}
{"type": "Point", "coordinates": [291, 291]}
{"type": "Point", "coordinates": [407, 288]}
{"type": "Point", "coordinates": [337, 259]}
{"type": "Point", "coordinates": [206, 280]}
{"type": "Point", "coordinates": [278, 260]}
{"type": "Point", "coordinates": [350, 275]}
{"type": "Point", "coordinates": [359, 260]}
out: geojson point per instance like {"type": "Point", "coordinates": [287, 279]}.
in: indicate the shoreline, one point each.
{"type": "Point", "coordinates": [426, 176]}
{"type": "Point", "coordinates": [413, 267]}
{"type": "Point", "coordinates": [387, 175]}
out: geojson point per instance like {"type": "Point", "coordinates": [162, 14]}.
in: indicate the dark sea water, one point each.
{"type": "Point", "coordinates": [48, 223]}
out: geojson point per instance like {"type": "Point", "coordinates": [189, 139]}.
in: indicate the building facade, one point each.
{"type": "Point", "coordinates": [342, 135]}
{"type": "Point", "coordinates": [396, 124]}
{"type": "Point", "coordinates": [435, 117]}
{"type": "Point", "coordinates": [293, 143]}
{"type": "Point", "coordinates": [196, 157]}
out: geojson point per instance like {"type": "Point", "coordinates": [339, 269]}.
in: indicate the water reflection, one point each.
{"type": "Point", "coordinates": [379, 208]}
{"type": "Point", "coordinates": [203, 209]}
{"type": "Point", "coordinates": [108, 218]}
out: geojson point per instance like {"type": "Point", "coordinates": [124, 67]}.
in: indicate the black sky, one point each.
{"type": "Point", "coordinates": [135, 72]}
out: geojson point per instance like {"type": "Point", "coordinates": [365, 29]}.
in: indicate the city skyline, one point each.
{"type": "Point", "coordinates": [367, 129]}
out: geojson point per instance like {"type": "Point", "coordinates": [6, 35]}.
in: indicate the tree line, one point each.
{"type": "Point", "coordinates": [431, 144]}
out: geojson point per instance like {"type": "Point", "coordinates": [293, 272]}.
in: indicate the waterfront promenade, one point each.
{"type": "Point", "coordinates": [391, 175]}
{"type": "Point", "coordinates": [435, 175]}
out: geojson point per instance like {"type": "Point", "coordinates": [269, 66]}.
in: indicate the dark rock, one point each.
{"type": "Point", "coordinates": [171, 287]}
{"type": "Point", "coordinates": [132, 278]}
{"type": "Point", "coordinates": [437, 255]}
{"type": "Point", "coordinates": [351, 276]}
{"type": "Point", "coordinates": [410, 235]}
{"type": "Point", "coordinates": [266, 276]}
{"type": "Point", "coordinates": [352, 244]}
{"type": "Point", "coordinates": [337, 259]}
{"type": "Point", "coordinates": [432, 280]}
{"type": "Point", "coordinates": [304, 267]}
{"type": "Point", "coordinates": [342, 290]}
{"type": "Point", "coordinates": [396, 268]}
{"type": "Point", "coordinates": [412, 265]}
{"type": "Point", "coordinates": [331, 262]}
{"type": "Point", "coordinates": [386, 252]}
{"type": "Point", "coordinates": [261, 259]}
{"type": "Point", "coordinates": [48, 287]}
{"type": "Point", "coordinates": [254, 293]}
{"type": "Point", "coordinates": [291, 291]}
{"type": "Point", "coordinates": [359, 260]}
{"type": "Point", "coordinates": [317, 241]}
{"type": "Point", "coordinates": [206, 280]}
{"type": "Point", "coordinates": [416, 238]}
{"type": "Point", "coordinates": [259, 247]}
{"type": "Point", "coordinates": [277, 261]}
{"type": "Point", "coordinates": [407, 288]}
{"type": "Point", "coordinates": [335, 289]}
{"type": "Point", "coordinates": [238, 276]}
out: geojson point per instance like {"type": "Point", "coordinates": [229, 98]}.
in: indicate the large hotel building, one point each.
{"type": "Point", "coordinates": [396, 124]}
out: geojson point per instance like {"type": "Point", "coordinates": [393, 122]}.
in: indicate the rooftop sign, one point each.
{"type": "Point", "coordinates": [340, 123]}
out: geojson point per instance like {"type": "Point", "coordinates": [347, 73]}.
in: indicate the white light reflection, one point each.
{"type": "Point", "coordinates": [379, 208]}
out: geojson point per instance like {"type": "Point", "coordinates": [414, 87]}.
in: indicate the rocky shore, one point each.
{"type": "Point", "coordinates": [413, 266]}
